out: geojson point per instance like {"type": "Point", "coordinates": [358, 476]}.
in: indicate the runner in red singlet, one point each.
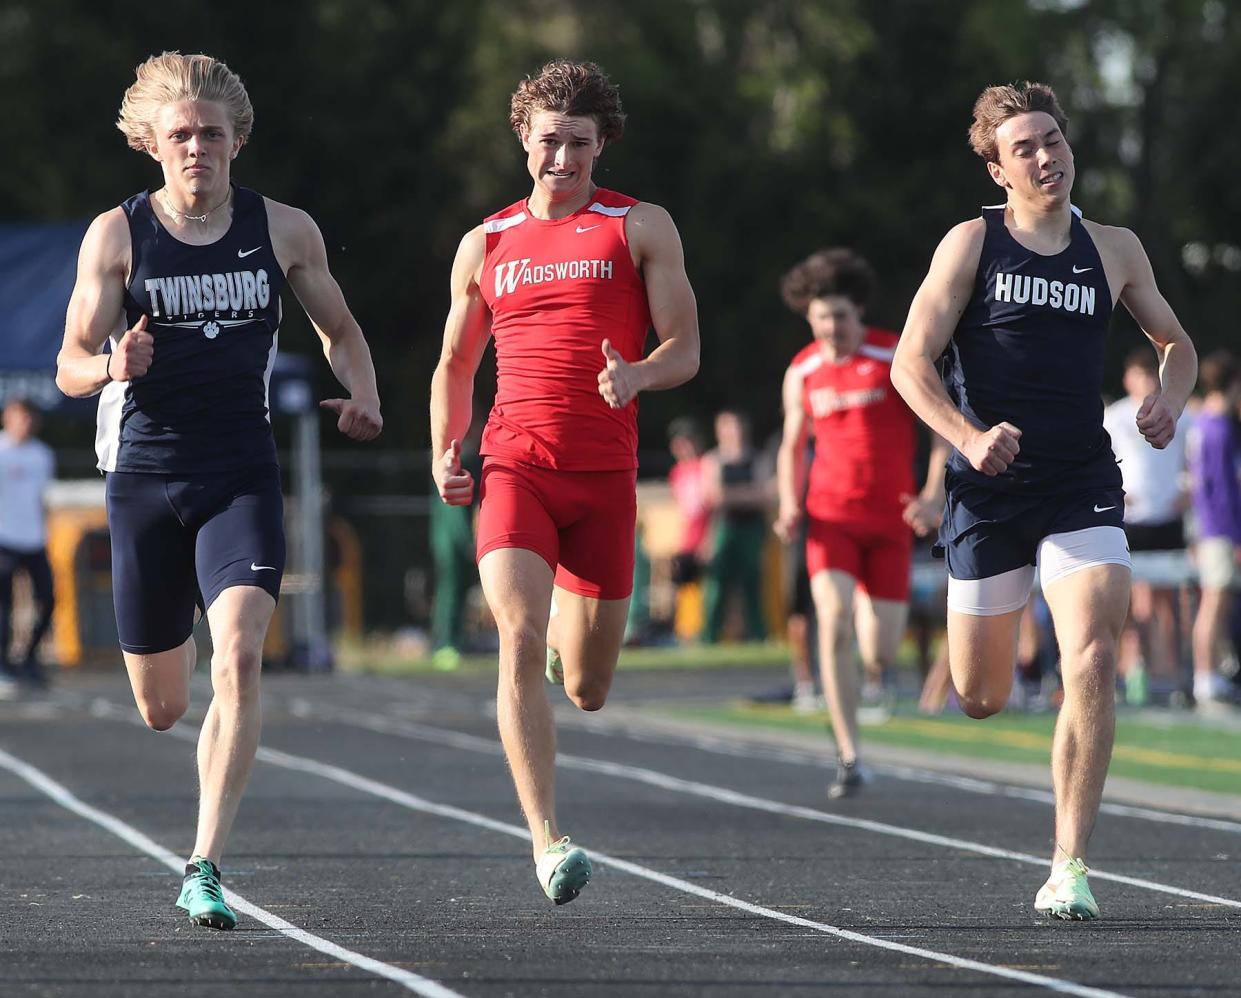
{"type": "Point", "coordinates": [861, 503]}
{"type": "Point", "coordinates": [568, 282]}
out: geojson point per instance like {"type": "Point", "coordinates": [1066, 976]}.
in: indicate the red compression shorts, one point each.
{"type": "Point", "coordinates": [879, 558]}
{"type": "Point", "coordinates": [580, 522]}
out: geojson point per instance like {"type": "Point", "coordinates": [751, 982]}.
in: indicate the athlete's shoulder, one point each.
{"type": "Point", "coordinates": [605, 198]}
{"type": "Point", "coordinates": [1115, 238]}
{"type": "Point", "coordinates": [107, 238]}
{"type": "Point", "coordinates": [473, 245]}
{"type": "Point", "coordinates": [514, 214]}
{"type": "Point", "coordinates": [647, 213]}
{"type": "Point", "coordinates": [959, 253]}
{"type": "Point", "coordinates": [650, 230]}
{"type": "Point", "coordinates": [284, 218]}
{"type": "Point", "coordinates": [968, 235]}
{"type": "Point", "coordinates": [807, 360]}
{"type": "Point", "coordinates": [110, 222]}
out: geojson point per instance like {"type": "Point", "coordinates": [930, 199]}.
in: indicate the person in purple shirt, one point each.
{"type": "Point", "coordinates": [1216, 490]}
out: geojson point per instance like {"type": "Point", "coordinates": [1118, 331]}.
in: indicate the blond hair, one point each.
{"type": "Point", "coordinates": [996, 105]}
{"type": "Point", "coordinates": [172, 77]}
{"type": "Point", "coordinates": [578, 89]}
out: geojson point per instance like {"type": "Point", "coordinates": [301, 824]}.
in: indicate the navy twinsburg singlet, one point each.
{"type": "Point", "coordinates": [214, 312]}
{"type": "Point", "coordinates": [1029, 351]}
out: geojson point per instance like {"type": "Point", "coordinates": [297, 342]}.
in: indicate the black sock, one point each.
{"type": "Point", "coordinates": [191, 869]}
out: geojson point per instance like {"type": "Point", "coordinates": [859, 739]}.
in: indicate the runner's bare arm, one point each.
{"type": "Point", "coordinates": [452, 386]}
{"type": "Point", "coordinates": [933, 317]}
{"type": "Point", "coordinates": [95, 308]}
{"type": "Point", "coordinates": [1178, 360]}
{"type": "Point", "coordinates": [924, 511]}
{"type": "Point", "coordinates": [937, 464]}
{"type": "Point", "coordinates": [791, 458]}
{"type": "Point", "coordinates": [299, 248]}
{"type": "Point", "coordinates": [674, 310]}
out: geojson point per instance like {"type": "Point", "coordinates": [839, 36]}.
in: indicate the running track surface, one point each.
{"type": "Point", "coordinates": [382, 846]}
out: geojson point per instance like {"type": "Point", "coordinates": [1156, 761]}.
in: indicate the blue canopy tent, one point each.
{"type": "Point", "coordinates": [37, 267]}
{"type": "Point", "coordinates": [38, 264]}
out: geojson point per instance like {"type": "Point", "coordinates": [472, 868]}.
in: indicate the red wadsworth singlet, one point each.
{"type": "Point", "coordinates": [864, 433]}
{"type": "Point", "coordinates": [557, 289]}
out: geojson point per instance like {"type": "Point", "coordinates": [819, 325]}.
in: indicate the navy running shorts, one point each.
{"type": "Point", "coordinates": [180, 541]}
{"type": "Point", "coordinates": [986, 532]}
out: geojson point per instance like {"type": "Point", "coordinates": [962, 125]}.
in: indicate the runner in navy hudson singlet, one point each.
{"type": "Point", "coordinates": [185, 283]}
{"type": "Point", "coordinates": [1019, 301]}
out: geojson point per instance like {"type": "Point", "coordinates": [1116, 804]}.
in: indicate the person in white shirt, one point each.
{"type": "Point", "coordinates": [26, 468]}
{"type": "Point", "coordinates": [1155, 503]}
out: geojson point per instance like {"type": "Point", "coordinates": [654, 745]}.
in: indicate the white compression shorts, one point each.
{"type": "Point", "coordinates": [1058, 555]}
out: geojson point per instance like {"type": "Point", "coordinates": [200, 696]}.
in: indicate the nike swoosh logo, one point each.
{"type": "Point", "coordinates": [262, 568]}
{"type": "Point", "coordinates": [580, 230]}
{"type": "Point", "coordinates": [1103, 509]}
{"type": "Point", "coordinates": [1081, 270]}
{"type": "Point", "coordinates": [242, 254]}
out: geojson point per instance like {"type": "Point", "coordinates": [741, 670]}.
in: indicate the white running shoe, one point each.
{"type": "Point", "coordinates": [563, 869]}
{"type": "Point", "coordinates": [1067, 894]}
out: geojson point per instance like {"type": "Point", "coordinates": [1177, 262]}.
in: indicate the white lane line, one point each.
{"type": "Point", "coordinates": [414, 803]}
{"type": "Point", "coordinates": [721, 746]}
{"type": "Point", "coordinates": [650, 777]}
{"type": "Point", "coordinates": [130, 835]}
{"type": "Point", "coordinates": [656, 733]}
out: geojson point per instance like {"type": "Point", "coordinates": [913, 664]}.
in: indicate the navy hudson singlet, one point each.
{"type": "Point", "coordinates": [1029, 350]}
{"type": "Point", "coordinates": [214, 312]}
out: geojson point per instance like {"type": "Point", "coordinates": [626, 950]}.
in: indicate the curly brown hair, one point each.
{"type": "Point", "coordinates": [996, 105]}
{"type": "Point", "coordinates": [573, 88]}
{"type": "Point", "coordinates": [171, 77]}
{"type": "Point", "coordinates": [827, 273]}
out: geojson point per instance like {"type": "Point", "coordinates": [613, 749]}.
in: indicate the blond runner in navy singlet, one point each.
{"type": "Point", "coordinates": [184, 285]}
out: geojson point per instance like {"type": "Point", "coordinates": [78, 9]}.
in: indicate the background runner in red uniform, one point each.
{"type": "Point", "coordinates": [568, 282]}
{"type": "Point", "coordinates": [861, 503]}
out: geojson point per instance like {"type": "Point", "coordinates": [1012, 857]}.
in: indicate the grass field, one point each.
{"type": "Point", "coordinates": [1182, 753]}
{"type": "Point", "coordinates": [387, 660]}
{"type": "Point", "coordinates": [1177, 749]}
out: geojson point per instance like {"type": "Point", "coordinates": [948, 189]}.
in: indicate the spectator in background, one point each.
{"type": "Point", "coordinates": [1212, 451]}
{"type": "Point", "coordinates": [26, 469]}
{"type": "Point", "coordinates": [799, 627]}
{"type": "Point", "coordinates": [452, 551]}
{"type": "Point", "coordinates": [685, 441]}
{"type": "Point", "coordinates": [737, 492]}
{"type": "Point", "coordinates": [1155, 504]}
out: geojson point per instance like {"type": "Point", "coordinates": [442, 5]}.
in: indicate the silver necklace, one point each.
{"type": "Point", "coordinates": [193, 218]}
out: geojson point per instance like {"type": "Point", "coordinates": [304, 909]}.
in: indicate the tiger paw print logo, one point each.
{"type": "Point", "coordinates": [211, 330]}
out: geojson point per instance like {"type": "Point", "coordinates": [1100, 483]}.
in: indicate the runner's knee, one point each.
{"type": "Point", "coordinates": [162, 713]}
{"type": "Point", "coordinates": [981, 707]}
{"type": "Point", "coordinates": [981, 698]}
{"type": "Point", "coordinates": [237, 666]}
{"type": "Point", "coordinates": [521, 641]}
{"type": "Point", "coordinates": [587, 694]}
{"type": "Point", "coordinates": [1092, 666]}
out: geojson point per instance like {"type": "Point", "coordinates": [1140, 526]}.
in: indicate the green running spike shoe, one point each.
{"type": "Point", "coordinates": [563, 869]}
{"type": "Point", "coordinates": [555, 668]}
{"type": "Point", "coordinates": [202, 896]}
{"type": "Point", "coordinates": [1067, 894]}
